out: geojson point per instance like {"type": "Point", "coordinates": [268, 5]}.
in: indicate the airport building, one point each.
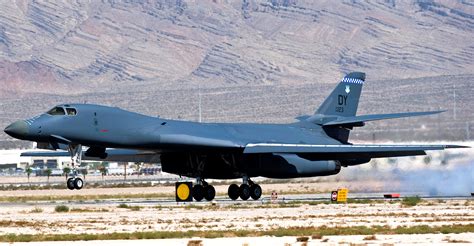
{"type": "Point", "coordinates": [12, 159]}
{"type": "Point", "coordinates": [12, 162]}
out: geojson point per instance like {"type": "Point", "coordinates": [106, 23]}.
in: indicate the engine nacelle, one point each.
{"type": "Point", "coordinates": [221, 166]}
{"type": "Point", "coordinates": [293, 166]}
{"type": "Point", "coordinates": [98, 152]}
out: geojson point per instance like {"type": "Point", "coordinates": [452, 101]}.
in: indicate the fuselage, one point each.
{"type": "Point", "coordinates": [110, 127]}
{"type": "Point", "coordinates": [211, 150]}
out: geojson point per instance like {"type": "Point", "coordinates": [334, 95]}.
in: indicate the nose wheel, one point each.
{"type": "Point", "coordinates": [247, 190]}
{"type": "Point", "coordinates": [75, 182]}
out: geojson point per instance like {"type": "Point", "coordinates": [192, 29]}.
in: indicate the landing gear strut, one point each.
{"type": "Point", "coordinates": [75, 181]}
{"type": "Point", "coordinates": [202, 190]}
{"type": "Point", "coordinates": [246, 190]}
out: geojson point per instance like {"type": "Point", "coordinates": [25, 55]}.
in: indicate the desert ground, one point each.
{"type": "Point", "coordinates": [425, 239]}
{"type": "Point", "coordinates": [150, 214]}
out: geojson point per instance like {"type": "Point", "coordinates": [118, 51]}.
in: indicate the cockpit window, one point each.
{"type": "Point", "coordinates": [56, 111]}
{"type": "Point", "coordinates": [71, 111]}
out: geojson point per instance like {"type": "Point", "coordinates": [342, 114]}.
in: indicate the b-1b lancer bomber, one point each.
{"type": "Point", "coordinates": [314, 145]}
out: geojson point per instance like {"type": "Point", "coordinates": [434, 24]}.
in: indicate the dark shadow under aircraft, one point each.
{"type": "Point", "coordinates": [315, 145]}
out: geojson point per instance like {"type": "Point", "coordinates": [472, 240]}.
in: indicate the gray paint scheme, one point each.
{"type": "Point", "coordinates": [313, 146]}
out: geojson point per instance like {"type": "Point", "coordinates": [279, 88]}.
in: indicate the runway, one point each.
{"type": "Point", "coordinates": [224, 200]}
{"type": "Point", "coordinates": [168, 200]}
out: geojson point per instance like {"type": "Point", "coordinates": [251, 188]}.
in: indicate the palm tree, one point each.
{"type": "Point", "coordinates": [125, 171]}
{"type": "Point", "coordinates": [66, 171]}
{"type": "Point", "coordinates": [28, 173]}
{"type": "Point", "coordinates": [137, 168]}
{"type": "Point", "coordinates": [103, 171]}
{"type": "Point", "coordinates": [48, 173]}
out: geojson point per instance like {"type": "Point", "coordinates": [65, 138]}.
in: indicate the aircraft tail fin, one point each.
{"type": "Point", "coordinates": [342, 102]}
{"type": "Point", "coordinates": [337, 114]}
{"type": "Point", "coordinates": [344, 99]}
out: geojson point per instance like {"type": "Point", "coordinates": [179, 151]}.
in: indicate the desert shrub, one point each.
{"type": "Point", "coordinates": [411, 201]}
{"type": "Point", "coordinates": [36, 210]}
{"type": "Point", "coordinates": [371, 237]}
{"type": "Point", "coordinates": [61, 209]}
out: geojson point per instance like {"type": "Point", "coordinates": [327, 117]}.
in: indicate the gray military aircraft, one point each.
{"type": "Point", "coordinates": [315, 145]}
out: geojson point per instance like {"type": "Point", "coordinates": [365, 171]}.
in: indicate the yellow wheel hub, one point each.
{"type": "Point", "coordinates": [183, 192]}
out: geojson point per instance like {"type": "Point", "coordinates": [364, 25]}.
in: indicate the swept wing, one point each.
{"type": "Point", "coordinates": [341, 152]}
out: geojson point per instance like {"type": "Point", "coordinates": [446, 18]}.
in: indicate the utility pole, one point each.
{"type": "Point", "coordinates": [439, 125]}
{"type": "Point", "coordinates": [200, 114]}
{"type": "Point", "coordinates": [468, 131]}
{"type": "Point", "coordinates": [454, 99]}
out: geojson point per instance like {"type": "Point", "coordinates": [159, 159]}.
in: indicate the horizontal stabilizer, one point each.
{"type": "Point", "coordinates": [302, 117]}
{"type": "Point", "coordinates": [359, 120]}
{"type": "Point", "coordinates": [341, 152]}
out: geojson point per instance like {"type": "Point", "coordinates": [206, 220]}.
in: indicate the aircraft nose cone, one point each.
{"type": "Point", "coordinates": [17, 129]}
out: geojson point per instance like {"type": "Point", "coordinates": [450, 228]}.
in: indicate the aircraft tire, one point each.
{"type": "Point", "coordinates": [209, 193]}
{"type": "Point", "coordinates": [244, 192]}
{"type": "Point", "coordinates": [198, 192]}
{"type": "Point", "coordinates": [70, 183]}
{"type": "Point", "coordinates": [255, 191]}
{"type": "Point", "coordinates": [233, 192]}
{"type": "Point", "coordinates": [78, 183]}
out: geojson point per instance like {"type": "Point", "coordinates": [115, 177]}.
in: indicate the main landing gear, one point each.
{"type": "Point", "coordinates": [203, 190]}
{"type": "Point", "coordinates": [75, 181]}
{"type": "Point", "coordinates": [246, 190]}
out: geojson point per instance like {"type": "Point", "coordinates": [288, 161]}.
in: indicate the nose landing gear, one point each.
{"type": "Point", "coordinates": [75, 181]}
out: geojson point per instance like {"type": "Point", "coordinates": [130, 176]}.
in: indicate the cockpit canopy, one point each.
{"type": "Point", "coordinates": [58, 110]}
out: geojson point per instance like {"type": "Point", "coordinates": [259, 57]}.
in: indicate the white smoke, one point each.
{"type": "Point", "coordinates": [451, 181]}
{"type": "Point", "coordinates": [448, 173]}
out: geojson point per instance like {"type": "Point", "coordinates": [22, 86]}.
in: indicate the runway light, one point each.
{"type": "Point", "coordinates": [392, 195]}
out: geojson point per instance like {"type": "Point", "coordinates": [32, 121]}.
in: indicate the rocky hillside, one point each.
{"type": "Point", "coordinates": [81, 46]}
{"type": "Point", "coordinates": [150, 56]}
{"type": "Point", "coordinates": [282, 103]}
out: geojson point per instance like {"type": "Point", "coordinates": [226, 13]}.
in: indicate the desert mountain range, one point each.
{"type": "Point", "coordinates": [135, 53]}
